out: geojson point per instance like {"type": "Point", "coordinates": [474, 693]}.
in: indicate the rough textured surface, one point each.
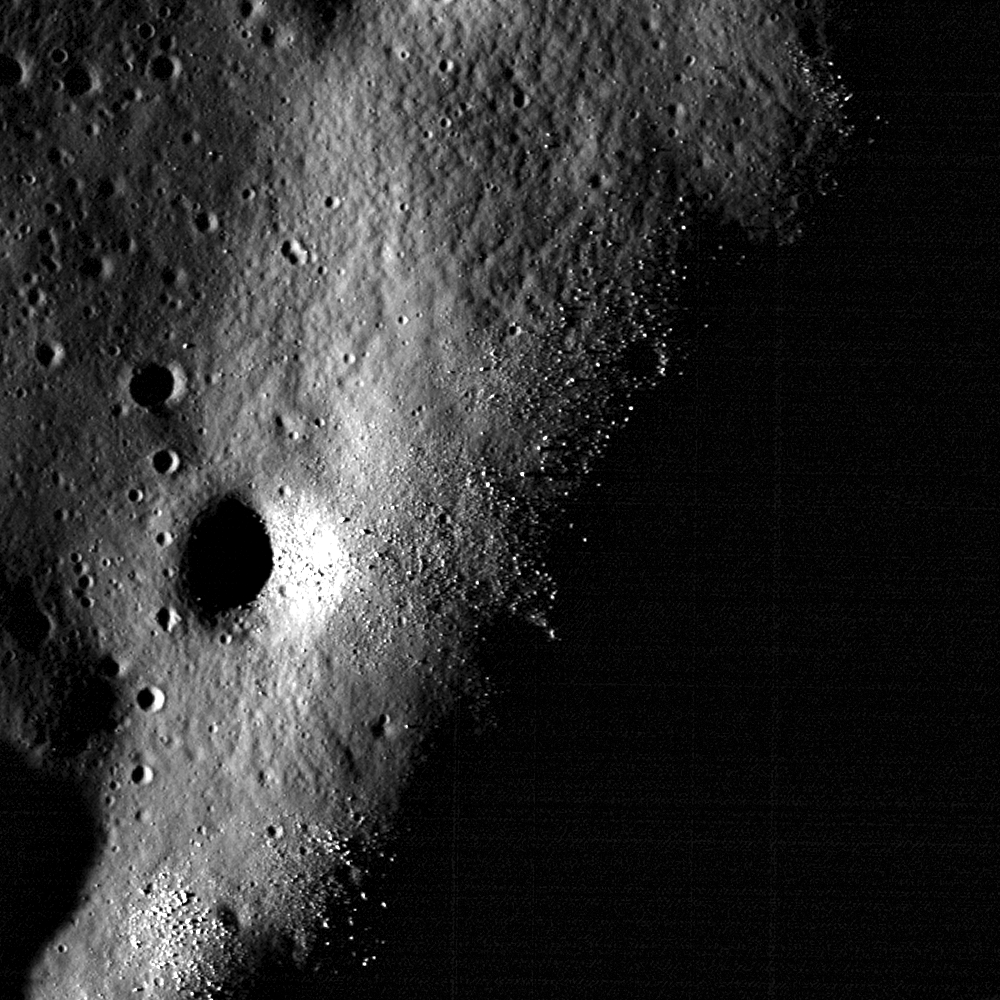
{"type": "Point", "coordinates": [389, 260]}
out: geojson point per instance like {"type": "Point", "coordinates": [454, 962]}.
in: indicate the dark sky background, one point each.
{"type": "Point", "coordinates": [761, 760]}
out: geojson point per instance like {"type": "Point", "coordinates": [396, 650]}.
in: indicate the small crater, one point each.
{"type": "Point", "coordinates": [109, 668]}
{"type": "Point", "coordinates": [293, 251]}
{"type": "Point", "coordinates": [79, 81]}
{"type": "Point", "coordinates": [166, 461]}
{"type": "Point", "coordinates": [173, 276]}
{"type": "Point", "coordinates": [150, 699]}
{"type": "Point", "coordinates": [11, 71]}
{"type": "Point", "coordinates": [226, 916]}
{"type": "Point", "coordinates": [228, 558]}
{"type": "Point", "coordinates": [97, 268]}
{"type": "Point", "coordinates": [142, 774]}
{"type": "Point", "coordinates": [50, 354]}
{"type": "Point", "coordinates": [152, 385]}
{"type": "Point", "coordinates": [21, 617]}
{"type": "Point", "coordinates": [164, 67]}
{"type": "Point", "coordinates": [89, 708]}
{"type": "Point", "coordinates": [206, 222]}
{"type": "Point", "coordinates": [167, 619]}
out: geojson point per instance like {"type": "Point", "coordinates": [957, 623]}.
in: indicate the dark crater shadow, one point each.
{"type": "Point", "coordinates": [151, 386]}
{"type": "Point", "coordinates": [21, 617]}
{"type": "Point", "coordinates": [51, 840]}
{"type": "Point", "coordinates": [227, 559]}
{"type": "Point", "coordinates": [76, 707]}
{"type": "Point", "coordinates": [83, 706]}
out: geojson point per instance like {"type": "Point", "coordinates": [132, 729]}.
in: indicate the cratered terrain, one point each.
{"type": "Point", "coordinates": [314, 315]}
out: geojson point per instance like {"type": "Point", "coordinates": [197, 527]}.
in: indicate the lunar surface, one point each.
{"type": "Point", "coordinates": [314, 315]}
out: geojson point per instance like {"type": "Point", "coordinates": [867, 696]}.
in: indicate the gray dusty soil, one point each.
{"type": "Point", "coordinates": [313, 314]}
